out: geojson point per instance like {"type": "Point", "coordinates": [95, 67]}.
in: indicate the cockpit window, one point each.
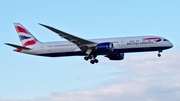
{"type": "Point", "coordinates": [166, 40]}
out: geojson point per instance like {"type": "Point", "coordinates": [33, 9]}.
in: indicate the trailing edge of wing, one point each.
{"type": "Point", "coordinates": [81, 43]}
{"type": "Point", "coordinates": [17, 46]}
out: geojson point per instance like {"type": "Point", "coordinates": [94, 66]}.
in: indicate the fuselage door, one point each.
{"type": "Point", "coordinates": [42, 48]}
{"type": "Point", "coordinates": [122, 43]}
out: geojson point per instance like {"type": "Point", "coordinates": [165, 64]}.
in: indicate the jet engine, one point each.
{"type": "Point", "coordinates": [104, 48]}
{"type": "Point", "coordinates": [115, 56]}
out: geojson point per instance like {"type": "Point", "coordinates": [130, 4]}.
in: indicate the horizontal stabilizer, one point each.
{"type": "Point", "coordinates": [17, 46]}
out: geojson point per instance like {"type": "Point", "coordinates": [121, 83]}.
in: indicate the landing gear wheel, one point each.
{"type": "Point", "coordinates": [96, 61]}
{"type": "Point", "coordinates": [86, 58]}
{"type": "Point", "coordinates": [90, 57]}
{"type": "Point", "coordinates": [92, 61]}
{"type": "Point", "coordinates": [159, 55]}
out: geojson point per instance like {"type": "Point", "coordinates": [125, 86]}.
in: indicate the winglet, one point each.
{"type": "Point", "coordinates": [51, 28]}
{"type": "Point", "coordinates": [40, 24]}
{"type": "Point", "coordinates": [44, 25]}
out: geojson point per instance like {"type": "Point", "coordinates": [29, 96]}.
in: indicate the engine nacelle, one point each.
{"type": "Point", "coordinates": [116, 56]}
{"type": "Point", "coordinates": [104, 48]}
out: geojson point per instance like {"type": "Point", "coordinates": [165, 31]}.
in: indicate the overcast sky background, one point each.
{"type": "Point", "coordinates": [139, 77]}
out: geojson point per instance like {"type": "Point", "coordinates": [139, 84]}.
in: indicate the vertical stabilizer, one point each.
{"type": "Point", "coordinates": [26, 38]}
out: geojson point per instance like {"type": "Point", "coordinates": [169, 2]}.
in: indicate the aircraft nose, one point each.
{"type": "Point", "coordinates": [170, 45]}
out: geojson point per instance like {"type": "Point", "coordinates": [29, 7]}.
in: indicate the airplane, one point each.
{"type": "Point", "coordinates": [112, 48]}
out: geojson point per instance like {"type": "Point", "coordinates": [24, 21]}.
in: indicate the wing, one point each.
{"type": "Point", "coordinates": [83, 44]}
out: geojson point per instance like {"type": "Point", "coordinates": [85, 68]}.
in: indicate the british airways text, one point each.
{"type": "Point", "coordinates": [136, 42]}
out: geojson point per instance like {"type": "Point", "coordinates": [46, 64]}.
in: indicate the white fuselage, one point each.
{"type": "Point", "coordinates": [112, 48]}
{"type": "Point", "coordinates": [120, 45]}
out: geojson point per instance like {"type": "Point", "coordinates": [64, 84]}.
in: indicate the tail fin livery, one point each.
{"type": "Point", "coordinates": [26, 38]}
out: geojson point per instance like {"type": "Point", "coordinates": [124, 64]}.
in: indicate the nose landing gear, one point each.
{"type": "Point", "coordinates": [159, 53]}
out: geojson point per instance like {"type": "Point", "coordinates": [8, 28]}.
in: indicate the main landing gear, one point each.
{"type": "Point", "coordinates": [159, 53]}
{"type": "Point", "coordinates": [92, 59]}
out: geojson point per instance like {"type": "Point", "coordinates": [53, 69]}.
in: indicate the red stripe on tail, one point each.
{"type": "Point", "coordinates": [31, 42]}
{"type": "Point", "coordinates": [21, 30]}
